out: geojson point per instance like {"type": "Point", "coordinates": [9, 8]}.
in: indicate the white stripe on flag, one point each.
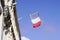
{"type": "Point", "coordinates": [35, 20]}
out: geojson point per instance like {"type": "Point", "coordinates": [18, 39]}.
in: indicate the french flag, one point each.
{"type": "Point", "coordinates": [35, 19]}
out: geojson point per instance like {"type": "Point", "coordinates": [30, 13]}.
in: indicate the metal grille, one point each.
{"type": "Point", "coordinates": [8, 7]}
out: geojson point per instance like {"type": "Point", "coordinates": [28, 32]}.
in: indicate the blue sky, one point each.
{"type": "Point", "coordinates": [49, 11]}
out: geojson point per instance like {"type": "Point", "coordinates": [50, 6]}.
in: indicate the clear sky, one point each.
{"type": "Point", "coordinates": [49, 11]}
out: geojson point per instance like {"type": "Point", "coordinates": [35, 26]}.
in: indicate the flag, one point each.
{"type": "Point", "coordinates": [35, 19]}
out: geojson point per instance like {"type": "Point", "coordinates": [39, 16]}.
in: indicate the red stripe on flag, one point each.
{"type": "Point", "coordinates": [37, 24]}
